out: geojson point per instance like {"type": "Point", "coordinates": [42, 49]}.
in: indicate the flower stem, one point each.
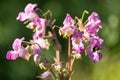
{"type": "Point", "coordinates": [26, 42]}
{"type": "Point", "coordinates": [57, 45]}
{"type": "Point", "coordinates": [69, 60]}
{"type": "Point", "coordinates": [54, 76]}
{"type": "Point", "coordinates": [69, 53]}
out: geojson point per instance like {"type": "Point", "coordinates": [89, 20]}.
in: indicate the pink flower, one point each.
{"type": "Point", "coordinates": [35, 49]}
{"type": "Point", "coordinates": [94, 19]}
{"type": "Point", "coordinates": [37, 35]}
{"type": "Point", "coordinates": [96, 42]}
{"type": "Point", "coordinates": [12, 55]}
{"type": "Point", "coordinates": [18, 51]}
{"type": "Point", "coordinates": [68, 28]}
{"type": "Point", "coordinates": [68, 21]}
{"type": "Point", "coordinates": [22, 16]}
{"type": "Point", "coordinates": [95, 56]}
{"type": "Point", "coordinates": [94, 22]}
{"type": "Point", "coordinates": [40, 24]}
{"type": "Point", "coordinates": [77, 42]}
{"type": "Point", "coordinates": [30, 8]}
{"type": "Point", "coordinates": [93, 49]}
{"type": "Point", "coordinates": [23, 53]}
{"type": "Point", "coordinates": [28, 14]}
{"type": "Point", "coordinates": [17, 44]}
{"type": "Point", "coordinates": [40, 27]}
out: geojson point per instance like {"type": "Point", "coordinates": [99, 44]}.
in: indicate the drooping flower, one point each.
{"type": "Point", "coordinates": [68, 28]}
{"type": "Point", "coordinates": [77, 44]}
{"type": "Point", "coordinates": [94, 48]}
{"type": "Point", "coordinates": [28, 14]}
{"type": "Point", "coordinates": [18, 51]}
{"type": "Point", "coordinates": [94, 22]}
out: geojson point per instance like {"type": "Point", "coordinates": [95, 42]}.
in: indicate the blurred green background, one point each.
{"type": "Point", "coordinates": [109, 11]}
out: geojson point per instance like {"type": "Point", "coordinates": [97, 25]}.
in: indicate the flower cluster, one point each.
{"type": "Point", "coordinates": [38, 25]}
{"type": "Point", "coordinates": [87, 35]}
{"type": "Point", "coordinates": [82, 38]}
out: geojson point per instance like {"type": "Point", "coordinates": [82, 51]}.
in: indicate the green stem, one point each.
{"type": "Point", "coordinates": [26, 42]}
{"type": "Point", "coordinates": [47, 13]}
{"type": "Point", "coordinates": [85, 12]}
{"type": "Point", "coordinates": [40, 11]}
{"type": "Point", "coordinates": [54, 76]}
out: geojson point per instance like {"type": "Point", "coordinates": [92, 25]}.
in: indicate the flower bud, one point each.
{"type": "Point", "coordinates": [37, 59]}
{"type": "Point", "coordinates": [46, 75]}
{"type": "Point", "coordinates": [57, 67]}
{"type": "Point", "coordinates": [41, 65]}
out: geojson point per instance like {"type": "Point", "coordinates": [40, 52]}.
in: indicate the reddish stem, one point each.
{"type": "Point", "coordinates": [57, 44]}
{"type": "Point", "coordinates": [69, 54]}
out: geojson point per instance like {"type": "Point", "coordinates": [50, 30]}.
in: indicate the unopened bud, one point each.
{"type": "Point", "coordinates": [57, 67]}
{"type": "Point", "coordinates": [46, 75]}
{"type": "Point", "coordinates": [78, 56]}
{"type": "Point", "coordinates": [37, 59]}
{"type": "Point", "coordinates": [41, 65]}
